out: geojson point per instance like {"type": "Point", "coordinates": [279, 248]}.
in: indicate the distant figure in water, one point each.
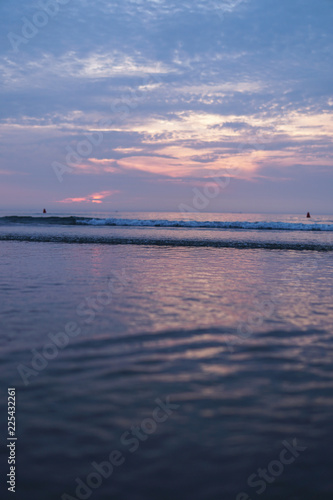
{"type": "Point", "coordinates": [308, 215]}
{"type": "Point", "coordinates": [44, 211]}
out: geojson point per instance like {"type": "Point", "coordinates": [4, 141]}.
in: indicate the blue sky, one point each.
{"type": "Point", "coordinates": [141, 104]}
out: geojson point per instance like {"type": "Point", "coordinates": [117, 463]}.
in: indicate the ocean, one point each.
{"type": "Point", "coordinates": [168, 355]}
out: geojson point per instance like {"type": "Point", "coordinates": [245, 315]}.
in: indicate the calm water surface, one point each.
{"type": "Point", "coordinates": [240, 340]}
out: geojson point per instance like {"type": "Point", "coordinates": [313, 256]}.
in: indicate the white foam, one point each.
{"type": "Point", "coordinates": [264, 226]}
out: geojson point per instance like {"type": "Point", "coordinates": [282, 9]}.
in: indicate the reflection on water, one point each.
{"type": "Point", "coordinates": [240, 340]}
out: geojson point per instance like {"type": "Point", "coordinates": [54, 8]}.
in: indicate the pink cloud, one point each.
{"type": "Point", "coordinates": [91, 198]}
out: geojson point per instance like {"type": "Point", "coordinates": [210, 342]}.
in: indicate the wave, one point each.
{"type": "Point", "coordinates": [167, 242]}
{"type": "Point", "coordinates": [72, 221]}
{"type": "Point", "coordinates": [40, 221]}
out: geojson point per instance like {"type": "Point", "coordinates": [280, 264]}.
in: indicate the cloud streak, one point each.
{"type": "Point", "coordinates": [91, 198]}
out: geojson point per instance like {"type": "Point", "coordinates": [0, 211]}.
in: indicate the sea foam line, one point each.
{"type": "Point", "coordinates": [265, 226]}
{"type": "Point", "coordinates": [191, 224]}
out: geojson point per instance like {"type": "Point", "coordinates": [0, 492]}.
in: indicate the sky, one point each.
{"type": "Point", "coordinates": [201, 105]}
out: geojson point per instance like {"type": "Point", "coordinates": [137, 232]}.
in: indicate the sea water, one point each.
{"type": "Point", "coordinates": [158, 361]}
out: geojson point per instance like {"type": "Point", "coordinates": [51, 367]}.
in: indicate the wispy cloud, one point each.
{"type": "Point", "coordinates": [91, 198]}
{"type": "Point", "coordinates": [178, 91]}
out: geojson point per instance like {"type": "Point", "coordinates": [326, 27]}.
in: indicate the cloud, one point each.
{"type": "Point", "coordinates": [91, 198]}
{"type": "Point", "coordinates": [177, 90]}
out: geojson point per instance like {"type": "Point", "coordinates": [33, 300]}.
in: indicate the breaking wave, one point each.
{"type": "Point", "coordinates": [247, 225]}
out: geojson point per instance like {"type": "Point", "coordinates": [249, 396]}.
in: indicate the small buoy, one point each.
{"type": "Point", "coordinates": [44, 211]}
{"type": "Point", "coordinates": [308, 215]}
